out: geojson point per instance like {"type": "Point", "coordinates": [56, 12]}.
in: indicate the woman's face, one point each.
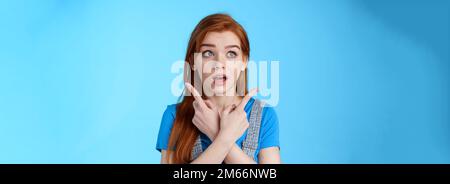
{"type": "Point", "coordinates": [222, 62]}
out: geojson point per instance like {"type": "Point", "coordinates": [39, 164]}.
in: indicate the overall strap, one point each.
{"type": "Point", "coordinates": [250, 144]}
{"type": "Point", "coordinates": [197, 149]}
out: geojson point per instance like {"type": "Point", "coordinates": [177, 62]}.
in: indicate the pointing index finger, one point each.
{"type": "Point", "coordinates": [196, 95]}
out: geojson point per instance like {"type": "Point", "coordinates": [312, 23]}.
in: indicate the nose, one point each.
{"type": "Point", "coordinates": [219, 66]}
{"type": "Point", "coordinates": [220, 63]}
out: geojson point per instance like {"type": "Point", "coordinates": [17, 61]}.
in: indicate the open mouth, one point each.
{"type": "Point", "coordinates": [220, 79]}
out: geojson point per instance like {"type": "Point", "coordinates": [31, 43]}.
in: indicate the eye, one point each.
{"type": "Point", "coordinates": [231, 54]}
{"type": "Point", "coordinates": [207, 53]}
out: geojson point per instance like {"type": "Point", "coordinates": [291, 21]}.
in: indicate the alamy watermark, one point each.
{"type": "Point", "coordinates": [264, 75]}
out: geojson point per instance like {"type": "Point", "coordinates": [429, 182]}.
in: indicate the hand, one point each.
{"type": "Point", "coordinates": [206, 117]}
{"type": "Point", "coordinates": [233, 120]}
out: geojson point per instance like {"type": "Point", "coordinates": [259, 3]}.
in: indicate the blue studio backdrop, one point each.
{"type": "Point", "coordinates": [87, 81]}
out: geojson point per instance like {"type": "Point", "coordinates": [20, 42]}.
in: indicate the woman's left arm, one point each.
{"type": "Point", "coordinates": [270, 155]}
{"type": "Point", "coordinates": [237, 156]}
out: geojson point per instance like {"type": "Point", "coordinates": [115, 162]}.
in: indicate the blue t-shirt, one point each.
{"type": "Point", "coordinates": [268, 135]}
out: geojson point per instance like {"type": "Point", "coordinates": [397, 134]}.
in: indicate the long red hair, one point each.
{"type": "Point", "coordinates": [184, 133]}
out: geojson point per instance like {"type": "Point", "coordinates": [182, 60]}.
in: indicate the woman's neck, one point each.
{"type": "Point", "coordinates": [221, 102]}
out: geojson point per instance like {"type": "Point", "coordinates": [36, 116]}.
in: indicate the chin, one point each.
{"type": "Point", "coordinates": [221, 91]}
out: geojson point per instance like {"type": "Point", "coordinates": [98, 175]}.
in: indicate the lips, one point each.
{"type": "Point", "coordinates": [219, 79]}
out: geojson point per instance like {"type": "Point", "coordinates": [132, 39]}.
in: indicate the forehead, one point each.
{"type": "Point", "coordinates": [221, 39]}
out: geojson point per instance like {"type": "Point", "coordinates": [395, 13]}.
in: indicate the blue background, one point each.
{"type": "Point", "coordinates": [87, 81]}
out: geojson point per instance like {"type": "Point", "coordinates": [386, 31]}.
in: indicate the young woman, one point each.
{"type": "Point", "coordinates": [218, 124]}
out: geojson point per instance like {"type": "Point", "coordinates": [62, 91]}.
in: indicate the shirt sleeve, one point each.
{"type": "Point", "coordinates": [269, 135]}
{"type": "Point", "coordinates": [165, 127]}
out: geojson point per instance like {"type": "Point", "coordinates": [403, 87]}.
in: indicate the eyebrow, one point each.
{"type": "Point", "coordinates": [212, 45]}
{"type": "Point", "coordinates": [231, 46]}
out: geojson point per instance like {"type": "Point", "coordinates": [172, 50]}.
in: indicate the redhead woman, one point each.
{"type": "Point", "coordinates": [218, 120]}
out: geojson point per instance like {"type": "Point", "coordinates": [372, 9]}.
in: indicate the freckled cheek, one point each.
{"type": "Point", "coordinates": [205, 76]}
{"type": "Point", "coordinates": [236, 70]}
{"type": "Point", "coordinates": [232, 74]}
{"type": "Point", "coordinates": [206, 73]}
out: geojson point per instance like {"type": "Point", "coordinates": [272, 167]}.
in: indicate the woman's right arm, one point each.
{"type": "Point", "coordinates": [164, 157]}
{"type": "Point", "coordinates": [214, 154]}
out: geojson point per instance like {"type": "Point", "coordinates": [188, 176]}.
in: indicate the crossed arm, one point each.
{"type": "Point", "coordinates": [216, 153]}
{"type": "Point", "coordinates": [233, 123]}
